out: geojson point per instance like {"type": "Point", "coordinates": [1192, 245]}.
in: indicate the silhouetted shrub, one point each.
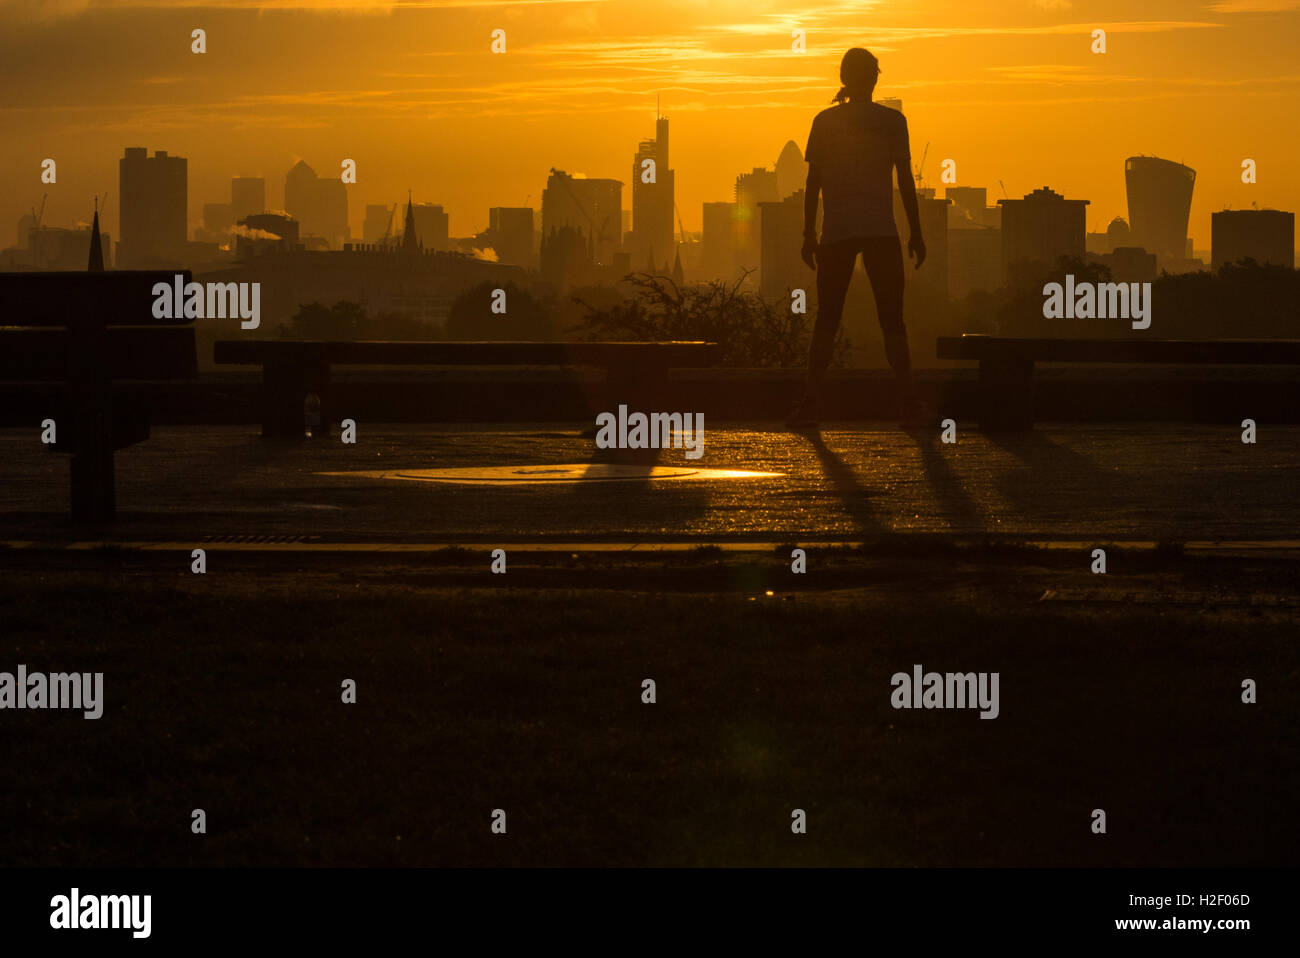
{"type": "Point", "coordinates": [750, 330]}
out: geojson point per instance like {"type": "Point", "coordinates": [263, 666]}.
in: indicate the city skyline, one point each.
{"type": "Point", "coordinates": [735, 97]}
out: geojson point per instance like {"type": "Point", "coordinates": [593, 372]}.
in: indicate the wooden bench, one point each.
{"type": "Point", "coordinates": [637, 372]}
{"type": "Point", "coordinates": [68, 337]}
{"type": "Point", "coordinates": [1006, 370]}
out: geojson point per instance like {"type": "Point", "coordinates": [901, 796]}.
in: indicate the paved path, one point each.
{"type": "Point", "coordinates": [1147, 481]}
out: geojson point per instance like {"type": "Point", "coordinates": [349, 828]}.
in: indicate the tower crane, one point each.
{"type": "Point", "coordinates": [564, 178]}
{"type": "Point", "coordinates": [921, 167]}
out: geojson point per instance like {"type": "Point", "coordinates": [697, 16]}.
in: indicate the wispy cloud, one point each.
{"type": "Point", "coordinates": [48, 10]}
{"type": "Point", "coordinates": [1255, 6]}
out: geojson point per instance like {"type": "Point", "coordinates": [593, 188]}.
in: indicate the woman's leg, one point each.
{"type": "Point", "coordinates": [834, 272]}
{"type": "Point", "coordinates": [883, 258]}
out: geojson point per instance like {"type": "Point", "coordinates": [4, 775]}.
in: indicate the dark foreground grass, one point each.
{"type": "Point", "coordinates": [222, 692]}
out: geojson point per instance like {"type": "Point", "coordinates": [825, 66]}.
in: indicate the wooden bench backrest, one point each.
{"type": "Point", "coordinates": [287, 352]}
{"type": "Point", "coordinates": [72, 326]}
{"type": "Point", "coordinates": [1248, 352]}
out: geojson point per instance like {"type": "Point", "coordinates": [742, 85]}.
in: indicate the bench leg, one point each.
{"type": "Point", "coordinates": [642, 387]}
{"type": "Point", "coordinates": [1006, 395]}
{"type": "Point", "coordinates": [94, 497]}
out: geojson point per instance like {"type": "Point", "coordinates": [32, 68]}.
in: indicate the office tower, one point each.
{"type": "Point", "coordinates": [300, 197]}
{"type": "Point", "coordinates": [247, 196]}
{"type": "Point", "coordinates": [152, 220]}
{"type": "Point", "coordinates": [319, 205]}
{"type": "Point", "coordinates": [378, 223]}
{"type": "Point", "coordinates": [718, 259]}
{"type": "Point", "coordinates": [969, 204]}
{"type": "Point", "coordinates": [1266, 236]}
{"type": "Point", "coordinates": [757, 186]}
{"type": "Point", "coordinates": [933, 213]}
{"type": "Point", "coordinates": [1159, 203]}
{"type": "Point", "coordinates": [432, 226]}
{"type": "Point", "coordinates": [974, 260]}
{"type": "Point", "coordinates": [1042, 227]}
{"type": "Point", "coordinates": [791, 170]}
{"type": "Point", "coordinates": [653, 224]}
{"type": "Point", "coordinates": [511, 229]}
{"type": "Point", "coordinates": [781, 243]}
{"type": "Point", "coordinates": [592, 206]}
{"type": "Point", "coordinates": [217, 217]}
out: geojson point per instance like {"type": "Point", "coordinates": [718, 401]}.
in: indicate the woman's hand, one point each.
{"type": "Point", "coordinates": [809, 251]}
{"type": "Point", "coordinates": [916, 249]}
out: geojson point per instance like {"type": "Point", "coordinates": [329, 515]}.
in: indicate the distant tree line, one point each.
{"type": "Point", "coordinates": [1243, 300]}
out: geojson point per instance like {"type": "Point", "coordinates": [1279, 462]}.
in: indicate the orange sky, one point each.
{"type": "Point", "coordinates": [1007, 88]}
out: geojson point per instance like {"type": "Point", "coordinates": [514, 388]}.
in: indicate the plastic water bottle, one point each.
{"type": "Point", "coordinates": [311, 415]}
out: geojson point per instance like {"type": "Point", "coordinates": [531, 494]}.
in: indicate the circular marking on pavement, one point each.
{"type": "Point", "coordinates": [575, 472]}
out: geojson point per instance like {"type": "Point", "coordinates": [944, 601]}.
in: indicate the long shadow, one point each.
{"type": "Point", "coordinates": [946, 485]}
{"type": "Point", "coordinates": [844, 480]}
{"type": "Point", "coordinates": [1048, 465]}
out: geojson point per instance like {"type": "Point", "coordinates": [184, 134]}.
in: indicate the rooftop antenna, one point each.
{"type": "Point", "coordinates": [1004, 190]}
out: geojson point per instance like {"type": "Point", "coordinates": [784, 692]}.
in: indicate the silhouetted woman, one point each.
{"type": "Point", "coordinates": [853, 150]}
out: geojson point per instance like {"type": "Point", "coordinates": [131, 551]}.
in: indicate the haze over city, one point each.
{"type": "Point", "coordinates": [412, 92]}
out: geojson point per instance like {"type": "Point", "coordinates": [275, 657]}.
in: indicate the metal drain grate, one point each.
{"type": "Point", "coordinates": [261, 538]}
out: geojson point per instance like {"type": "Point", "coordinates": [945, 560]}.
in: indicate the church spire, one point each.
{"type": "Point", "coordinates": [96, 264]}
{"type": "Point", "coordinates": [410, 241]}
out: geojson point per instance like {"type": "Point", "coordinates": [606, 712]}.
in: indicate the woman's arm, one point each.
{"type": "Point", "coordinates": [812, 192]}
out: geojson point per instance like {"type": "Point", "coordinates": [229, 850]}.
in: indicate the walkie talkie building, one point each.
{"type": "Point", "coordinates": [1159, 203]}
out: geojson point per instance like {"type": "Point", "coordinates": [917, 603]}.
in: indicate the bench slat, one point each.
{"type": "Point", "coordinates": [1250, 352]}
{"type": "Point", "coordinates": [115, 298]}
{"type": "Point", "coordinates": [259, 351]}
{"type": "Point", "coordinates": [139, 353]}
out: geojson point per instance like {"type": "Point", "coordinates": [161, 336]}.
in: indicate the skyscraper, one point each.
{"type": "Point", "coordinates": [152, 219]}
{"type": "Point", "coordinates": [593, 206]}
{"type": "Point", "coordinates": [432, 225]}
{"type": "Point", "coordinates": [1266, 236]}
{"type": "Point", "coordinates": [1042, 227]}
{"type": "Point", "coordinates": [719, 241]}
{"type": "Point", "coordinates": [757, 186]}
{"type": "Point", "coordinates": [791, 170]}
{"type": "Point", "coordinates": [781, 231]}
{"type": "Point", "coordinates": [319, 205]}
{"type": "Point", "coordinates": [968, 206]}
{"type": "Point", "coordinates": [511, 230]}
{"type": "Point", "coordinates": [652, 202]}
{"type": "Point", "coordinates": [378, 221]}
{"type": "Point", "coordinates": [1159, 203]}
{"type": "Point", "coordinates": [247, 196]}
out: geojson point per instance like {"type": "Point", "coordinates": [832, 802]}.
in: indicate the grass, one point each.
{"type": "Point", "coordinates": [477, 692]}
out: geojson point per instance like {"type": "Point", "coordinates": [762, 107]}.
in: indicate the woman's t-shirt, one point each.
{"type": "Point", "coordinates": [855, 146]}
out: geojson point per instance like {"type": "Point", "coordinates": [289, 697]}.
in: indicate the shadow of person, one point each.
{"type": "Point", "coordinates": [947, 488]}
{"type": "Point", "coordinates": [1049, 468]}
{"type": "Point", "coordinates": [844, 481]}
